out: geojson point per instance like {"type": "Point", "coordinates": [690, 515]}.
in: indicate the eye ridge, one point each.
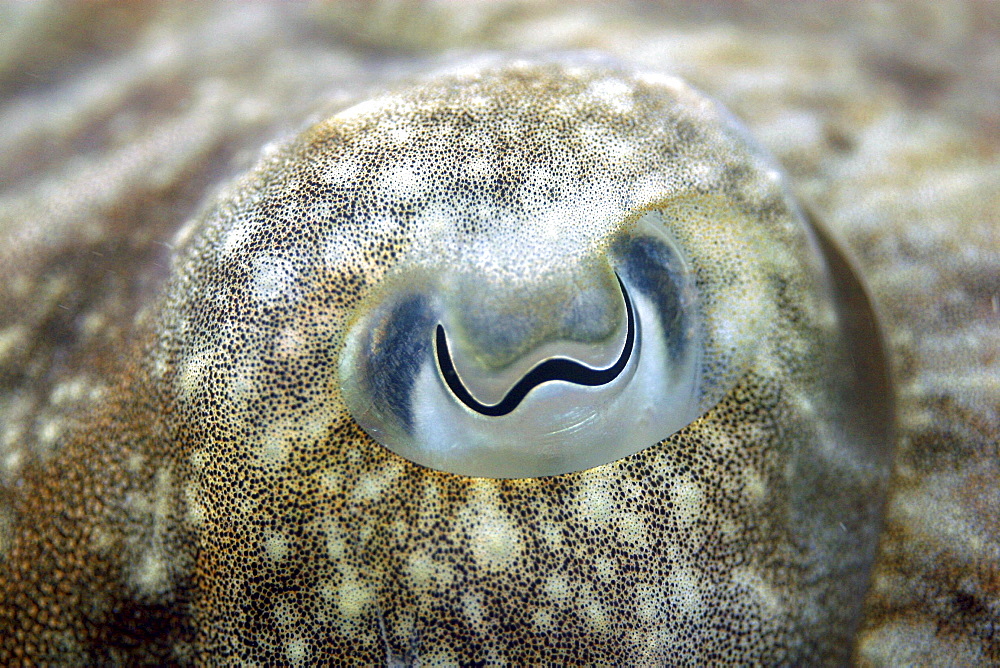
{"type": "Point", "coordinates": [559, 368]}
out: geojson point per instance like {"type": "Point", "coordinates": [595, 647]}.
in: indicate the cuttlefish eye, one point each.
{"type": "Point", "coordinates": [602, 371]}
{"type": "Point", "coordinates": [552, 308]}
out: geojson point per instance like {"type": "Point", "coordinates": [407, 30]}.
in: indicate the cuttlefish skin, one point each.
{"type": "Point", "coordinates": [227, 507]}
{"type": "Point", "coordinates": [109, 144]}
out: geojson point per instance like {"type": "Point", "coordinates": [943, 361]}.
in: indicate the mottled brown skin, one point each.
{"type": "Point", "coordinates": [64, 596]}
{"type": "Point", "coordinates": [894, 144]}
{"type": "Point", "coordinates": [233, 509]}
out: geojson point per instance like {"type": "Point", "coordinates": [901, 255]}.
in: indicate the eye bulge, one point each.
{"type": "Point", "coordinates": [593, 373]}
{"type": "Point", "coordinates": [492, 287]}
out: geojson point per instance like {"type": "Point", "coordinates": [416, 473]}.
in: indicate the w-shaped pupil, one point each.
{"type": "Point", "coordinates": [558, 368]}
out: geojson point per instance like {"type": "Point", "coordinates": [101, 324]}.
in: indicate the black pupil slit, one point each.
{"type": "Point", "coordinates": [558, 368]}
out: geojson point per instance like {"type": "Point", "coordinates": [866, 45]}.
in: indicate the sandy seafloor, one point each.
{"type": "Point", "coordinates": [118, 121]}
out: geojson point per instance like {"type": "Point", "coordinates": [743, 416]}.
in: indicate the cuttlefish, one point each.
{"type": "Point", "coordinates": [532, 360]}
{"type": "Point", "coordinates": [499, 359]}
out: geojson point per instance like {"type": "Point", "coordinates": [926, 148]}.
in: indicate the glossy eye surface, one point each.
{"type": "Point", "coordinates": [418, 377]}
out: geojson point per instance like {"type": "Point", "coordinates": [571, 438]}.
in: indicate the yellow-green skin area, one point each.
{"type": "Point", "coordinates": [247, 518]}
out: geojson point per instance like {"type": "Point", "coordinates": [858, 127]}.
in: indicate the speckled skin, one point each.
{"type": "Point", "coordinates": [81, 254]}
{"type": "Point", "coordinates": [257, 514]}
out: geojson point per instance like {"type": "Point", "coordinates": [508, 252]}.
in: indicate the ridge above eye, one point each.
{"type": "Point", "coordinates": [559, 368]}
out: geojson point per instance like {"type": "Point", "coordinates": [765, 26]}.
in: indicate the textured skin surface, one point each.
{"type": "Point", "coordinates": [108, 147]}
{"type": "Point", "coordinates": [258, 523]}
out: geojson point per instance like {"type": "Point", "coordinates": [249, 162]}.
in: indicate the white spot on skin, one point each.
{"type": "Point", "coordinates": [420, 569]}
{"type": "Point", "coordinates": [754, 487]}
{"type": "Point", "coordinates": [191, 375]}
{"type": "Point", "coordinates": [371, 486]}
{"type": "Point", "coordinates": [50, 431]}
{"type": "Point", "coordinates": [647, 602]}
{"type": "Point", "coordinates": [542, 620]}
{"type": "Point", "coordinates": [341, 252]}
{"type": "Point", "coordinates": [336, 542]}
{"type": "Point", "coordinates": [196, 513]}
{"type": "Point", "coordinates": [241, 385]}
{"type": "Point", "coordinates": [274, 452]}
{"type": "Point", "coordinates": [605, 568]}
{"type": "Point", "coordinates": [688, 500]}
{"type": "Point", "coordinates": [477, 167]}
{"type": "Point", "coordinates": [595, 615]}
{"type": "Point", "coordinates": [74, 390]}
{"type": "Point", "coordinates": [551, 533]}
{"type": "Point", "coordinates": [619, 150]}
{"type": "Point", "coordinates": [12, 463]}
{"type": "Point", "coordinates": [291, 342]}
{"type": "Point", "coordinates": [331, 479]}
{"type": "Point", "coordinates": [236, 238]}
{"type": "Point", "coordinates": [297, 650]}
{"type": "Point", "coordinates": [276, 546]}
{"type": "Point", "coordinates": [274, 279]}
{"type": "Point", "coordinates": [702, 172]}
{"type": "Point", "coordinates": [473, 609]}
{"type": "Point", "coordinates": [198, 459]}
{"type": "Point", "coordinates": [12, 339]}
{"type": "Point", "coordinates": [631, 529]}
{"type": "Point", "coordinates": [556, 587]}
{"type": "Point", "coordinates": [769, 597]}
{"type": "Point", "coordinates": [648, 189]}
{"type": "Point", "coordinates": [685, 594]}
{"type": "Point", "coordinates": [494, 539]}
{"type": "Point", "coordinates": [100, 540]}
{"type": "Point", "coordinates": [399, 135]}
{"type": "Point", "coordinates": [478, 102]}
{"type": "Point", "coordinates": [614, 93]}
{"type": "Point", "coordinates": [353, 596]}
{"type": "Point", "coordinates": [595, 497]}
{"type": "Point", "coordinates": [341, 171]}
{"type": "Point", "coordinates": [539, 178]}
{"type": "Point", "coordinates": [151, 575]}
{"type": "Point", "coordinates": [162, 495]}
{"type": "Point", "coordinates": [94, 323]}
{"type": "Point", "coordinates": [402, 181]}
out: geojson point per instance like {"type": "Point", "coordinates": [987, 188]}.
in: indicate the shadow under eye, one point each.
{"type": "Point", "coordinates": [559, 368]}
{"type": "Point", "coordinates": [396, 356]}
{"type": "Point", "coordinates": [654, 269]}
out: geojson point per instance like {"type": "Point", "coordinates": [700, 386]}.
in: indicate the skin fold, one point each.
{"type": "Point", "coordinates": [182, 481]}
